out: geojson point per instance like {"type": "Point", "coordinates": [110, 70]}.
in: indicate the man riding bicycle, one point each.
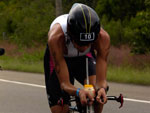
{"type": "Point", "coordinates": [71, 39]}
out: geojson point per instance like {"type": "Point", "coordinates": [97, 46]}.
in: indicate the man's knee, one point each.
{"type": "Point", "coordinates": [60, 109]}
{"type": "Point", "coordinates": [98, 108]}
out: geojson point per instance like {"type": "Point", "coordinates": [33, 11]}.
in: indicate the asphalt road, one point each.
{"type": "Point", "coordinates": [25, 93]}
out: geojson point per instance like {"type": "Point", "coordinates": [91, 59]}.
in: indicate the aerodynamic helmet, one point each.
{"type": "Point", "coordinates": [83, 24]}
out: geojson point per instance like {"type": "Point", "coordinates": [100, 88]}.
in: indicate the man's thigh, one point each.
{"type": "Point", "coordinates": [54, 92]}
{"type": "Point", "coordinates": [77, 68]}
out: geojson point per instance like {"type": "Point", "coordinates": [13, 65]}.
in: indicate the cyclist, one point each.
{"type": "Point", "coordinates": [73, 37]}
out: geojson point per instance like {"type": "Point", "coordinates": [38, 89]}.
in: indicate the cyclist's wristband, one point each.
{"type": "Point", "coordinates": [106, 89]}
{"type": "Point", "coordinates": [77, 92]}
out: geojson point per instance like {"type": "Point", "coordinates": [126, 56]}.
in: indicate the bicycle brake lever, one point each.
{"type": "Point", "coordinates": [119, 99]}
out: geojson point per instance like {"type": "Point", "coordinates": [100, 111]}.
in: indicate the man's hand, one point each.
{"type": "Point", "coordinates": [84, 95]}
{"type": "Point", "coordinates": [101, 96]}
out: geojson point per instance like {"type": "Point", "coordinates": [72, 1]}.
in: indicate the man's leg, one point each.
{"type": "Point", "coordinates": [54, 92]}
{"type": "Point", "coordinates": [60, 109]}
{"type": "Point", "coordinates": [98, 108]}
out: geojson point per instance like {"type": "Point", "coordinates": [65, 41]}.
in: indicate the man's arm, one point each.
{"type": "Point", "coordinates": [102, 48]}
{"type": "Point", "coordinates": [56, 42]}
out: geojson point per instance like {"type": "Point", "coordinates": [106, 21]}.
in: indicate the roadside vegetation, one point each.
{"type": "Point", "coordinates": [123, 66]}
{"type": "Point", "coordinates": [23, 59]}
{"type": "Point", "coordinates": [24, 26]}
{"type": "Point", "coordinates": [129, 74]}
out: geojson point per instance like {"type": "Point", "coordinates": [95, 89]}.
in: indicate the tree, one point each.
{"type": "Point", "coordinates": [140, 26]}
{"type": "Point", "coordinates": [119, 9]}
{"type": "Point", "coordinates": [27, 21]}
{"type": "Point", "coordinates": [59, 10]}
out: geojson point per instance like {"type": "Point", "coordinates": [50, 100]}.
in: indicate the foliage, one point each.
{"type": "Point", "coordinates": [68, 3]}
{"type": "Point", "coordinates": [141, 28]}
{"type": "Point", "coordinates": [115, 30]}
{"type": "Point", "coordinates": [26, 21]}
{"type": "Point", "coordinates": [127, 22]}
{"type": "Point", "coordinates": [119, 9]}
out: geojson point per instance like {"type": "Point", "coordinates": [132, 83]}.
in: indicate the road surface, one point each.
{"type": "Point", "coordinates": [25, 93]}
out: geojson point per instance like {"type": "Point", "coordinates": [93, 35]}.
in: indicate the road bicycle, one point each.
{"type": "Point", "coordinates": [75, 105]}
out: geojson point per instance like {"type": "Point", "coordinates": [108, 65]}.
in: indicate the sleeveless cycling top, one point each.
{"type": "Point", "coordinates": [72, 51]}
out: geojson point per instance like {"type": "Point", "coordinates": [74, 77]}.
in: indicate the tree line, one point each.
{"type": "Point", "coordinates": [27, 22]}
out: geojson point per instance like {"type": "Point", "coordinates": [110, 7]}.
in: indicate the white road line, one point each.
{"type": "Point", "coordinates": [27, 84]}
{"type": "Point", "coordinates": [41, 86]}
{"type": "Point", "coordinates": [135, 100]}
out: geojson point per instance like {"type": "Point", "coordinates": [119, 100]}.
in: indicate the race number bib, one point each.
{"type": "Point", "coordinates": [87, 36]}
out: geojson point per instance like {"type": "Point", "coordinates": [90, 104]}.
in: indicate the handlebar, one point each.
{"type": "Point", "coordinates": [118, 99]}
{"type": "Point", "coordinates": [114, 98]}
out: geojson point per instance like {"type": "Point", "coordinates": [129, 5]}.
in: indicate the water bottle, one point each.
{"type": "Point", "coordinates": [91, 90]}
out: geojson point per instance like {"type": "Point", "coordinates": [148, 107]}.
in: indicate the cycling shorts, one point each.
{"type": "Point", "coordinates": [77, 70]}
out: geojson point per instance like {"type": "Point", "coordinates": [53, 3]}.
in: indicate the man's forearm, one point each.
{"type": "Point", "coordinates": [101, 68]}
{"type": "Point", "coordinates": [69, 88]}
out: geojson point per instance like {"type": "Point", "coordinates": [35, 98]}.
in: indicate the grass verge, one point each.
{"type": "Point", "coordinates": [26, 62]}
{"type": "Point", "coordinates": [34, 63]}
{"type": "Point", "coordinates": [128, 74]}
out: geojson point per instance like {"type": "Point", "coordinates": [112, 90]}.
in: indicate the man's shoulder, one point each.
{"type": "Point", "coordinates": [103, 42]}
{"type": "Point", "coordinates": [104, 35]}
{"type": "Point", "coordinates": [61, 18]}
{"type": "Point", "coordinates": [56, 33]}
{"type": "Point", "coordinates": [56, 38]}
{"type": "Point", "coordinates": [62, 21]}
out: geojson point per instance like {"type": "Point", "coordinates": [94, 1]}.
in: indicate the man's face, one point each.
{"type": "Point", "coordinates": [81, 48]}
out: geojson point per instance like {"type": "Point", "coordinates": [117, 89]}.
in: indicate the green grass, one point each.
{"type": "Point", "coordinates": [34, 63]}
{"type": "Point", "coordinates": [128, 74]}
{"type": "Point", "coordinates": [26, 62]}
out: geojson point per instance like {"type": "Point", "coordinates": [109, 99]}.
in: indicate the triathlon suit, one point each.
{"type": "Point", "coordinates": [76, 62]}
